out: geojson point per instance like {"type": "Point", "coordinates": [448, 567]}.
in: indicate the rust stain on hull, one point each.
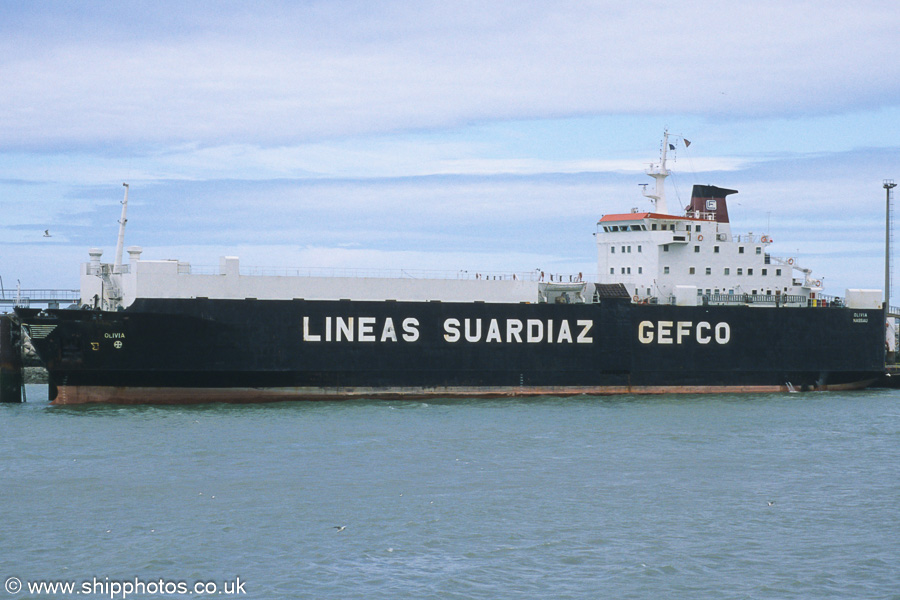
{"type": "Point", "coordinates": [68, 394]}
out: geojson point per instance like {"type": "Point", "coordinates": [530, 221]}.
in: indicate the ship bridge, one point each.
{"type": "Point", "coordinates": [659, 256]}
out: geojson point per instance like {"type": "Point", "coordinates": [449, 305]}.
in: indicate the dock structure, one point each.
{"type": "Point", "coordinates": [11, 371]}
{"type": "Point", "coordinates": [49, 298]}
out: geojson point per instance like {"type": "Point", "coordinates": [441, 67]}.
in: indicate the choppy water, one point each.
{"type": "Point", "coordinates": [628, 497]}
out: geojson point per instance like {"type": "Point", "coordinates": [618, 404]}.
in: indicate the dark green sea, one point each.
{"type": "Point", "coordinates": [698, 497]}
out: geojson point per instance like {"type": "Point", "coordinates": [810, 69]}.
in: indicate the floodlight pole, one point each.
{"type": "Point", "coordinates": [888, 186]}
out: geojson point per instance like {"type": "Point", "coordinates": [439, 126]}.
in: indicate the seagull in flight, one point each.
{"type": "Point", "coordinates": [340, 528]}
{"type": "Point", "coordinates": [47, 233]}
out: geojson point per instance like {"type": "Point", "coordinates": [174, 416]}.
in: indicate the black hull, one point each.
{"type": "Point", "coordinates": [188, 351]}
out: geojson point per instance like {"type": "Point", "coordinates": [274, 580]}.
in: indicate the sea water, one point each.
{"type": "Point", "coordinates": [717, 496]}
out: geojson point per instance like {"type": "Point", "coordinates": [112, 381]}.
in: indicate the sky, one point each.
{"type": "Point", "coordinates": [444, 136]}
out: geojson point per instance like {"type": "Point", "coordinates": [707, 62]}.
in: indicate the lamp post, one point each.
{"type": "Point", "coordinates": [888, 186]}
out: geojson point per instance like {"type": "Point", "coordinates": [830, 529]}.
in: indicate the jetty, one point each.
{"type": "Point", "coordinates": [15, 368]}
{"type": "Point", "coordinates": [47, 298]}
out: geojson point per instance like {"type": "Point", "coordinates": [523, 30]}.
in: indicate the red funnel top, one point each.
{"type": "Point", "coordinates": [711, 199]}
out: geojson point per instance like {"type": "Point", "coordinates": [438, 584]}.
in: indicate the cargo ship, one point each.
{"type": "Point", "coordinates": [679, 304]}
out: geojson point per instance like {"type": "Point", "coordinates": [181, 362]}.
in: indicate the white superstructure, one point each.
{"type": "Point", "coordinates": [111, 286]}
{"type": "Point", "coordinates": [687, 259]}
{"type": "Point", "coordinates": [661, 257]}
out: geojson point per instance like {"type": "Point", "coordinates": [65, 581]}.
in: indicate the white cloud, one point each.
{"type": "Point", "coordinates": [366, 158]}
{"type": "Point", "coordinates": [305, 73]}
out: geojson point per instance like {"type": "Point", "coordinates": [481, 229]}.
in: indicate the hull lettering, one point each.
{"type": "Point", "coordinates": [469, 330]}
{"type": "Point", "coordinates": [683, 332]}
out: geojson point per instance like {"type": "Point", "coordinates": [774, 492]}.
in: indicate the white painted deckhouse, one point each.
{"type": "Point", "coordinates": [694, 257]}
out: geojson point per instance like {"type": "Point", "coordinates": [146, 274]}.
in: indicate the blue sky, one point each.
{"type": "Point", "coordinates": [437, 135]}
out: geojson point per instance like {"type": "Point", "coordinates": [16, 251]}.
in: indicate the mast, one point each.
{"type": "Point", "coordinates": [659, 173]}
{"type": "Point", "coordinates": [121, 242]}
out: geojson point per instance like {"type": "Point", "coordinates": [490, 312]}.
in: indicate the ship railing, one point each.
{"type": "Point", "coordinates": [461, 274]}
{"type": "Point", "coordinates": [45, 297]}
{"type": "Point", "coordinates": [748, 238]}
{"type": "Point", "coordinates": [701, 214]}
{"type": "Point", "coordinates": [40, 295]}
{"type": "Point", "coordinates": [786, 262]}
{"type": "Point", "coordinates": [826, 301]}
{"type": "Point", "coordinates": [107, 269]}
{"type": "Point", "coordinates": [760, 299]}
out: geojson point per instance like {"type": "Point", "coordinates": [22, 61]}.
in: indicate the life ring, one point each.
{"type": "Point", "coordinates": [818, 283]}
{"type": "Point", "coordinates": [636, 299]}
{"type": "Point", "coordinates": [765, 239]}
{"type": "Point", "coordinates": [790, 261]}
{"type": "Point", "coordinates": [700, 238]}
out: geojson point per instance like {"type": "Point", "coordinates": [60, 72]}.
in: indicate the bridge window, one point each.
{"type": "Point", "coordinates": [750, 272]}
{"type": "Point", "coordinates": [727, 271]}
{"type": "Point", "coordinates": [777, 272]}
{"type": "Point", "coordinates": [715, 249]}
{"type": "Point", "coordinates": [696, 248]}
{"type": "Point", "coordinates": [759, 250]}
{"type": "Point", "coordinates": [765, 272]}
{"type": "Point", "coordinates": [612, 249]}
{"type": "Point", "coordinates": [612, 270]}
{"type": "Point", "coordinates": [709, 270]}
{"type": "Point", "coordinates": [692, 271]}
{"type": "Point", "coordinates": [740, 271]}
{"type": "Point", "coordinates": [665, 270]}
{"type": "Point", "coordinates": [740, 250]}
